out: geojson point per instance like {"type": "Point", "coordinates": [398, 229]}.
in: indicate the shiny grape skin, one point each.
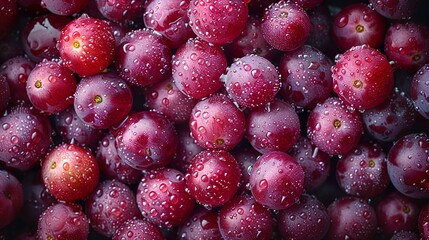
{"type": "Point", "coordinates": [419, 91]}
{"type": "Point", "coordinates": [137, 229]}
{"type": "Point", "coordinates": [16, 71]}
{"type": "Point", "coordinates": [203, 224]}
{"type": "Point", "coordinates": [276, 189]}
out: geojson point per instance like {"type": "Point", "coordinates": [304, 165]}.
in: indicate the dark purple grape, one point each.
{"type": "Point", "coordinates": [9, 13]}
{"type": "Point", "coordinates": [252, 81]}
{"type": "Point", "coordinates": [51, 86]}
{"type": "Point", "coordinates": [405, 235]}
{"type": "Point", "coordinates": [244, 218]}
{"type": "Point", "coordinates": [110, 205]}
{"type": "Point", "coordinates": [216, 123]}
{"type": "Point", "coordinates": [306, 76]}
{"type": "Point", "coordinates": [40, 36]}
{"type": "Point", "coordinates": [274, 127]}
{"type": "Point", "coordinates": [143, 58]}
{"type": "Point", "coordinates": [16, 71]}
{"type": "Point", "coordinates": [63, 221]}
{"type": "Point", "coordinates": [396, 212]}
{"type": "Point", "coordinates": [112, 165]}
{"type": "Point", "coordinates": [4, 93]}
{"type": "Point", "coordinates": [187, 148]}
{"type": "Point", "coordinates": [333, 127]}
{"type": "Point", "coordinates": [392, 119]}
{"type": "Point", "coordinates": [146, 140]}
{"type": "Point", "coordinates": [162, 198]}
{"type": "Point", "coordinates": [285, 26]}
{"type": "Point", "coordinates": [321, 28]}
{"type": "Point", "coordinates": [407, 165]}
{"type": "Point", "coordinates": [307, 219]}
{"type": "Point", "coordinates": [102, 100]}
{"type": "Point", "coordinates": [203, 224]}
{"type": "Point", "coordinates": [362, 172]}
{"type": "Point", "coordinates": [71, 129]}
{"type": "Point", "coordinates": [197, 68]}
{"type": "Point", "coordinates": [246, 156]}
{"type": "Point", "coordinates": [351, 218]}
{"type": "Point", "coordinates": [170, 19]}
{"type": "Point", "coordinates": [420, 90]}
{"type": "Point", "coordinates": [423, 221]}
{"type": "Point", "coordinates": [213, 177]}
{"type": "Point", "coordinates": [25, 137]}
{"type": "Point", "coordinates": [166, 98]}
{"type": "Point", "coordinates": [11, 197]}
{"type": "Point", "coordinates": [138, 229]}
{"type": "Point", "coordinates": [121, 10]}
{"type": "Point", "coordinates": [398, 9]}
{"type": "Point", "coordinates": [276, 180]}
{"type": "Point", "coordinates": [217, 22]}
{"type": "Point", "coordinates": [315, 163]}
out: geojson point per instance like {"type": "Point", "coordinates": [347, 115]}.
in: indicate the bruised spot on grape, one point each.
{"type": "Point", "coordinates": [371, 163]}
{"type": "Point", "coordinates": [416, 57]}
{"type": "Point", "coordinates": [219, 141]}
{"type": "Point", "coordinates": [360, 28]}
{"type": "Point", "coordinates": [98, 99]}
{"type": "Point", "coordinates": [76, 44]}
{"type": "Point", "coordinates": [284, 14]}
{"type": "Point", "coordinates": [38, 84]}
{"type": "Point", "coordinates": [357, 84]}
{"type": "Point", "coordinates": [53, 165]}
{"type": "Point", "coordinates": [337, 123]}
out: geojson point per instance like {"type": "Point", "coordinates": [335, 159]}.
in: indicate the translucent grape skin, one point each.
{"type": "Point", "coordinates": [407, 164]}
{"type": "Point", "coordinates": [213, 177]}
{"type": "Point", "coordinates": [51, 86]}
{"type": "Point", "coordinates": [197, 68]}
{"type": "Point", "coordinates": [285, 26]}
{"type": "Point", "coordinates": [40, 35]}
{"type": "Point", "coordinates": [87, 45]}
{"type": "Point", "coordinates": [102, 100]}
{"type": "Point", "coordinates": [111, 165]}
{"type": "Point", "coordinates": [216, 123]}
{"type": "Point", "coordinates": [162, 197]}
{"type": "Point", "coordinates": [276, 189]}
{"type": "Point", "coordinates": [137, 229]}
{"type": "Point", "coordinates": [307, 219]}
{"type": "Point", "coordinates": [273, 128]}
{"type": "Point", "coordinates": [333, 128]}
{"type": "Point", "coordinates": [143, 46]}
{"type": "Point", "coordinates": [63, 221]}
{"type": "Point", "coordinates": [217, 22]}
{"type": "Point", "coordinates": [11, 197]}
{"type": "Point", "coordinates": [203, 224]}
{"type": "Point", "coordinates": [252, 81]}
{"type": "Point", "coordinates": [396, 212]}
{"type": "Point", "coordinates": [146, 140]}
{"type": "Point", "coordinates": [25, 138]}
{"type": "Point", "coordinates": [305, 86]}
{"type": "Point", "coordinates": [244, 218]}
{"type": "Point", "coordinates": [352, 218]}
{"type": "Point", "coordinates": [70, 172]}
{"type": "Point", "coordinates": [118, 204]}
{"type": "Point", "coordinates": [362, 172]}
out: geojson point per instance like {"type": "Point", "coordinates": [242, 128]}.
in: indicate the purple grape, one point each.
{"type": "Point", "coordinates": [11, 197]}
{"type": "Point", "coordinates": [16, 71]}
{"type": "Point", "coordinates": [203, 224]}
{"type": "Point", "coordinates": [138, 229]}
{"type": "Point", "coordinates": [420, 89]}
